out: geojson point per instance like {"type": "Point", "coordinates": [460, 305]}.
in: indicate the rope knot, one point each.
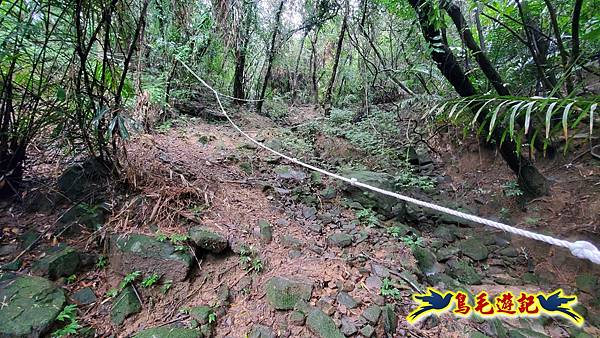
{"type": "Point", "coordinates": [586, 250]}
{"type": "Point", "coordinates": [353, 181]}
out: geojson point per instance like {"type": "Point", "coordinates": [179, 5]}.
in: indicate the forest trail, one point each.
{"type": "Point", "coordinates": [316, 238]}
{"type": "Point", "coordinates": [274, 223]}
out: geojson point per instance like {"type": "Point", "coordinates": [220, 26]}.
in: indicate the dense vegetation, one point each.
{"type": "Point", "coordinates": [85, 73]}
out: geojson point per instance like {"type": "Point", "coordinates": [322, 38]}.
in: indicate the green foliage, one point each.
{"type": "Point", "coordinates": [69, 316]}
{"type": "Point", "coordinates": [129, 278]}
{"type": "Point", "coordinates": [166, 286]}
{"type": "Point", "coordinates": [212, 318]}
{"type": "Point", "coordinates": [164, 127]}
{"type": "Point", "coordinates": [522, 117]}
{"type": "Point", "coordinates": [71, 279]}
{"type": "Point", "coordinates": [111, 293]}
{"type": "Point", "coordinates": [408, 179]}
{"type": "Point", "coordinates": [388, 289]}
{"type": "Point", "coordinates": [395, 231]}
{"type": "Point", "coordinates": [250, 261]}
{"type": "Point", "coordinates": [512, 189]}
{"type": "Point", "coordinates": [150, 280]}
{"type": "Point", "coordinates": [367, 217]}
{"type": "Point", "coordinates": [102, 262]}
{"type": "Point", "coordinates": [412, 240]}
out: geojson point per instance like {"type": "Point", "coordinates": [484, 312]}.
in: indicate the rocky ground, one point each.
{"type": "Point", "coordinates": [214, 237]}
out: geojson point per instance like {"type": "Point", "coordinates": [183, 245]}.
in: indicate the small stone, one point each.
{"type": "Point", "coordinates": [372, 313]}
{"type": "Point", "coordinates": [261, 331]}
{"type": "Point", "coordinates": [445, 233]}
{"type": "Point", "coordinates": [373, 283]}
{"type": "Point", "coordinates": [284, 293]}
{"type": "Point", "coordinates": [296, 318]}
{"type": "Point", "coordinates": [348, 326]}
{"type": "Point", "coordinates": [322, 325]}
{"type": "Point", "coordinates": [8, 249]}
{"type": "Point", "coordinates": [380, 270]}
{"type": "Point", "coordinates": [200, 313]}
{"type": "Point", "coordinates": [328, 193]}
{"type": "Point", "coordinates": [125, 304]}
{"type": "Point", "coordinates": [293, 254]}
{"type": "Point", "coordinates": [208, 240]}
{"type": "Point", "coordinates": [84, 296]}
{"type": "Point", "coordinates": [291, 242]}
{"type": "Point", "coordinates": [309, 212]}
{"type": "Point", "coordinates": [446, 253]}
{"type": "Point", "coordinates": [425, 259]}
{"type": "Point", "coordinates": [347, 300]}
{"type": "Point", "coordinates": [266, 231]}
{"type": "Point", "coordinates": [223, 295]}
{"type": "Point", "coordinates": [315, 227]}
{"type": "Point", "coordinates": [367, 331]}
{"type": "Point", "coordinates": [474, 249]}
{"type": "Point", "coordinates": [390, 320]}
{"type": "Point", "coordinates": [340, 240]}
{"type": "Point", "coordinates": [509, 252]}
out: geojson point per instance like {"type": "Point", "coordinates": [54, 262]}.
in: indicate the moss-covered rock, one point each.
{"type": "Point", "coordinates": [474, 248]}
{"type": "Point", "coordinates": [261, 331]}
{"type": "Point", "coordinates": [425, 259]}
{"type": "Point", "coordinates": [383, 204]}
{"type": "Point", "coordinates": [60, 262]}
{"type": "Point", "coordinates": [168, 332]}
{"type": "Point", "coordinates": [340, 240]}
{"type": "Point", "coordinates": [284, 293]}
{"type": "Point", "coordinates": [464, 272]}
{"type": "Point", "coordinates": [322, 325]}
{"type": "Point", "coordinates": [200, 313]}
{"type": "Point", "coordinates": [208, 240]}
{"type": "Point", "coordinates": [31, 305]}
{"type": "Point", "coordinates": [143, 253]}
{"type": "Point", "coordinates": [125, 304]}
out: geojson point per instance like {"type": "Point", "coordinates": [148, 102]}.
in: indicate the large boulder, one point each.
{"type": "Point", "coordinates": [30, 305]}
{"type": "Point", "coordinates": [385, 205]}
{"type": "Point", "coordinates": [77, 181]}
{"type": "Point", "coordinates": [284, 293]}
{"type": "Point", "coordinates": [143, 253]}
{"type": "Point", "coordinates": [62, 262]}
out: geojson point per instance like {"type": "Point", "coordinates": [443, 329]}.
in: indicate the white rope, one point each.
{"type": "Point", "coordinates": [580, 249]}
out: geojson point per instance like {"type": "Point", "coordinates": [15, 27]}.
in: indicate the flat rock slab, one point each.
{"type": "Point", "coordinates": [284, 293]}
{"type": "Point", "coordinates": [321, 325]}
{"type": "Point", "coordinates": [146, 254]}
{"type": "Point", "coordinates": [208, 240]}
{"type": "Point", "coordinates": [32, 306]}
{"type": "Point", "coordinates": [168, 332]}
{"type": "Point", "coordinates": [125, 304]}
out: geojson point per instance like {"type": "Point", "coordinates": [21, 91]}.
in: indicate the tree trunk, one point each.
{"type": "Point", "coordinates": [314, 80]}
{"type": "Point", "coordinates": [241, 47]}
{"type": "Point", "coordinates": [564, 57]}
{"type": "Point", "coordinates": [336, 61]}
{"type": "Point", "coordinates": [295, 74]}
{"type": "Point", "coordinates": [270, 58]}
{"type": "Point", "coordinates": [529, 177]}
